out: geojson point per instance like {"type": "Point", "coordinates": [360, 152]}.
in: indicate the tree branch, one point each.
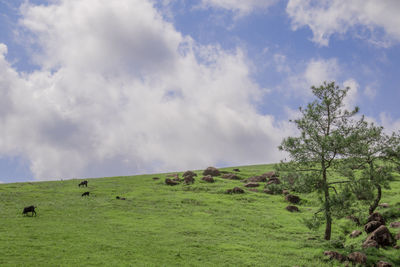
{"type": "Point", "coordinates": [339, 182]}
{"type": "Point", "coordinates": [333, 188]}
{"type": "Point", "coordinates": [322, 209]}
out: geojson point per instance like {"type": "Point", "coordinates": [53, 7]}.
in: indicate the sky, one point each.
{"type": "Point", "coordinates": [101, 88]}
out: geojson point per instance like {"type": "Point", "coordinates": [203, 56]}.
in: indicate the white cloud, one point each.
{"type": "Point", "coordinates": [292, 114]}
{"type": "Point", "coordinates": [351, 98]}
{"type": "Point", "coordinates": [385, 120]}
{"type": "Point", "coordinates": [320, 70]}
{"type": "Point", "coordinates": [240, 7]}
{"type": "Point", "coordinates": [313, 73]}
{"type": "Point", "coordinates": [379, 20]}
{"type": "Point", "coordinates": [120, 91]}
{"type": "Point", "coordinates": [3, 49]}
{"type": "Point", "coordinates": [389, 124]}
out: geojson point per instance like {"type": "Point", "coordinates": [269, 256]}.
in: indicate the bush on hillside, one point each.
{"type": "Point", "coordinates": [275, 189]}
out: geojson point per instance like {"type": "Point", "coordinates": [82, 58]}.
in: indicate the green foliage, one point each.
{"type": "Point", "coordinates": [363, 189]}
{"type": "Point", "coordinates": [275, 189]}
{"type": "Point", "coordinates": [371, 145]}
{"type": "Point", "coordinates": [300, 183]}
{"type": "Point", "coordinates": [342, 202]}
{"type": "Point", "coordinates": [314, 222]}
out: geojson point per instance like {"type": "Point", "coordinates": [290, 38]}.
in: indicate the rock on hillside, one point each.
{"type": "Point", "coordinates": [376, 217]}
{"type": "Point", "coordinates": [212, 171]}
{"type": "Point", "coordinates": [270, 174]}
{"type": "Point", "coordinates": [372, 226]}
{"type": "Point", "coordinates": [170, 182]}
{"type": "Point", "coordinates": [236, 190]}
{"type": "Point", "coordinates": [188, 179]}
{"type": "Point", "coordinates": [230, 176]}
{"type": "Point", "coordinates": [355, 233]}
{"type": "Point", "coordinates": [252, 184]}
{"type": "Point", "coordinates": [189, 173]}
{"type": "Point", "coordinates": [208, 179]}
{"type": "Point", "coordinates": [357, 258]}
{"type": "Point", "coordinates": [274, 180]}
{"type": "Point", "coordinates": [256, 179]}
{"type": "Point", "coordinates": [292, 199]}
{"type": "Point", "coordinates": [382, 236]}
{"type": "Point", "coordinates": [383, 264]}
{"type": "Point", "coordinates": [292, 208]}
{"type": "Point", "coordinates": [333, 255]}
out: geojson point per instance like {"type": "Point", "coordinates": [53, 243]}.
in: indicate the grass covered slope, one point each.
{"type": "Point", "coordinates": [160, 225]}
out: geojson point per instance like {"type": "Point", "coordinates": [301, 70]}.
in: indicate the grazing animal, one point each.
{"type": "Point", "coordinates": [83, 183]}
{"type": "Point", "coordinates": [29, 209]}
{"type": "Point", "coordinates": [120, 198]}
{"type": "Point", "coordinates": [85, 194]}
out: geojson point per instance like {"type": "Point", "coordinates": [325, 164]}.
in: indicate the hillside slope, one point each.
{"type": "Point", "coordinates": [160, 225]}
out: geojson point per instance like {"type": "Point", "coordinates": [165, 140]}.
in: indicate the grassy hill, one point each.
{"type": "Point", "coordinates": [160, 225]}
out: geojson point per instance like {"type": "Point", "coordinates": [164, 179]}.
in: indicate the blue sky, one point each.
{"type": "Point", "coordinates": [103, 88]}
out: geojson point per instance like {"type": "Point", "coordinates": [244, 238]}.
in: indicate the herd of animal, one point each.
{"type": "Point", "coordinates": [31, 209]}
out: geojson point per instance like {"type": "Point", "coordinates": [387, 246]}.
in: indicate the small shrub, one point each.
{"type": "Point", "coordinates": [275, 189]}
{"type": "Point", "coordinates": [313, 223]}
{"type": "Point", "coordinates": [299, 183]}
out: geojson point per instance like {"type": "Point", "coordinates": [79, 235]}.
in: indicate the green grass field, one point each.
{"type": "Point", "coordinates": [160, 225]}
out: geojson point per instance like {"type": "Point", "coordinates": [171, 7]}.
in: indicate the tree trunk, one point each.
{"type": "Point", "coordinates": [379, 194]}
{"type": "Point", "coordinates": [377, 199]}
{"type": "Point", "coordinates": [328, 216]}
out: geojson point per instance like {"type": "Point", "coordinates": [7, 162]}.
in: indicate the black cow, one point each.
{"type": "Point", "coordinates": [83, 183]}
{"type": "Point", "coordinates": [85, 194]}
{"type": "Point", "coordinates": [29, 209]}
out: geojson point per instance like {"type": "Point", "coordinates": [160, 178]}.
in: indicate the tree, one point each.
{"type": "Point", "coordinates": [326, 130]}
{"type": "Point", "coordinates": [370, 152]}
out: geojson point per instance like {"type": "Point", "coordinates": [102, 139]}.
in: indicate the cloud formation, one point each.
{"type": "Point", "coordinates": [119, 91]}
{"type": "Point", "coordinates": [314, 72]}
{"type": "Point", "coordinates": [389, 123]}
{"type": "Point", "coordinates": [350, 102]}
{"type": "Point", "coordinates": [378, 21]}
{"type": "Point", "coordinates": [239, 7]}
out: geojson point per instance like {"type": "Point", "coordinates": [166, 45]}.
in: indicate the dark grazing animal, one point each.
{"type": "Point", "coordinates": [85, 194]}
{"type": "Point", "coordinates": [29, 209]}
{"type": "Point", "coordinates": [120, 198]}
{"type": "Point", "coordinates": [83, 183]}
